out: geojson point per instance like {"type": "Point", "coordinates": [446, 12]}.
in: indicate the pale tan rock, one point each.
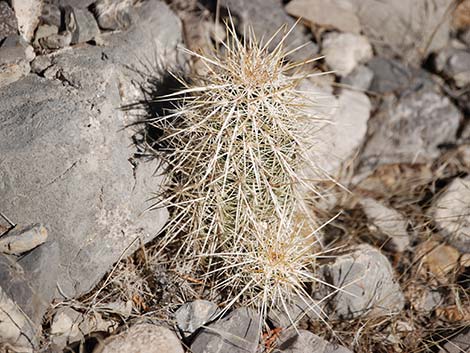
{"type": "Point", "coordinates": [27, 13]}
{"type": "Point", "coordinates": [22, 240]}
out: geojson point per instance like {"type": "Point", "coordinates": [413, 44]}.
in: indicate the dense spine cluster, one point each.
{"type": "Point", "coordinates": [235, 145]}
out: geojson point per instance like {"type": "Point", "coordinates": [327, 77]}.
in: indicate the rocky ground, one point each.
{"type": "Point", "coordinates": [80, 271]}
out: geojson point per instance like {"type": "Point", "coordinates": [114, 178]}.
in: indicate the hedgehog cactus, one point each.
{"type": "Point", "coordinates": [234, 146]}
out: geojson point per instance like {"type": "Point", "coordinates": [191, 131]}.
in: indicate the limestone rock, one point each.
{"type": "Point", "coordinates": [451, 213]}
{"type": "Point", "coordinates": [69, 326]}
{"type": "Point", "coordinates": [15, 55]}
{"type": "Point", "coordinates": [21, 240]}
{"type": "Point", "coordinates": [26, 290]}
{"type": "Point", "coordinates": [337, 141]}
{"type": "Point", "coordinates": [266, 17]}
{"type": "Point", "coordinates": [365, 285]}
{"type": "Point", "coordinates": [344, 51]}
{"type": "Point", "coordinates": [192, 316]}
{"type": "Point", "coordinates": [360, 78]}
{"type": "Point", "coordinates": [27, 13]}
{"type": "Point", "coordinates": [143, 338]}
{"type": "Point", "coordinates": [388, 223]}
{"type": "Point", "coordinates": [114, 14]}
{"type": "Point", "coordinates": [81, 24]}
{"type": "Point", "coordinates": [67, 160]}
{"type": "Point", "coordinates": [8, 22]}
{"type": "Point", "coordinates": [330, 14]}
{"type": "Point", "coordinates": [306, 342]}
{"type": "Point", "coordinates": [239, 332]}
{"type": "Point", "coordinates": [410, 129]}
{"type": "Point", "coordinates": [409, 28]}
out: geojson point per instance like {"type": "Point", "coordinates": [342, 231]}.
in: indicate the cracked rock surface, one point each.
{"type": "Point", "coordinates": [65, 156]}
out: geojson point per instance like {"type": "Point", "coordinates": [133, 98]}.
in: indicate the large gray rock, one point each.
{"type": "Point", "coordinates": [239, 332]}
{"type": "Point", "coordinates": [67, 160]}
{"type": "Point", "coordinates": [364, 284]}
{"type": "Point", "coordinates": [410, 129]}
{"type": "Point", "coordinates": [451, 213]}
{"type": "Point", "coordinates": [266, 17]}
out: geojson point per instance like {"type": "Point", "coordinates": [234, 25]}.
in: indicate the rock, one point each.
{"type": "Point", "coordinates": [365, 285]}
{"type": "Point", "coordinates": [266, 17]}
{"type": "Point", "coordinates": [44, 31]}
{"type": "Point", "coordinates": [409, 28]}
{"type": "Point", "coordinates": [438, 259]}
{"type": "Point", "coordinates": [451, 214]}
{"type": "Point", "coordinates": [114, 14]}
{"type": "Point", "coordinates": [430, 300]}
{"type": "Point", "coordinates": [15, 55]}
{"type": "Point", "coordinates": [298, 310]}
{"type": "Point", "coordinates": [239, 332]}
{"type": "Point", "coordinates": [81, 24]}
{"type": "Point", "coordinates": [41, 64]}
{"type": "Point", "coordinates": [192, 316]}
{"type": "Point", "coordinates": [344, 51]}
{"type": "Point", "coordinates": [8, 22]}
{"type": "Point", "coordinates": [91, 193]}
{"type": "Point", "coordinates": [334, 145]}
{"type": "Point", "coordinates": [27, 13]}
{"type": "Point", "coordinates": [392, 76]}
{"type": "Point", "coordinates": [21, 240]}
{"type": "Point", "coordinates": [56, 41]}
{"type": "Point", "coordinates": [330, 14]}
{"type": "Point", "coordinates": [143, 338]}
{"type": "Point", "coordinates": [410, 129]}
{"type": "Point", "coordinates": [51, 15]}
{"type": "Point", "coordinates": [388, 223]}
{"type": "Point", "coordinates": [306, 342]}
{"type": "Point", "coordinates": [457, 344]}
{"type": "Point", "coordinates": [29, 282]}
{"type": "Point", "coordinates": [360, 78]}
{"type": "Point", "coordinates": [16, 332]}
{"type": "Point", "coordinates": [69, 326]}
{"type": "Point", "coordinates": [454, 64]}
